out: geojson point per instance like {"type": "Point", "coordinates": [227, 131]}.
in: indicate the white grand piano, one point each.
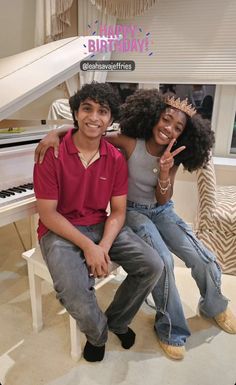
{"type": "Point", "coordinates": [24, 78]}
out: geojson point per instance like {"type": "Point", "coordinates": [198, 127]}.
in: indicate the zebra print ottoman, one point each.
{"type": "Point", "coordinates": [216, 222]}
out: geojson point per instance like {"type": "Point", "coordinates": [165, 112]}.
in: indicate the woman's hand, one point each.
{"type": "Point", "coordinates": [167, 159]}
{"type": "Point", "coordinates": [50, 140]}
{"type": "Point", "coordinates": [165, 182]}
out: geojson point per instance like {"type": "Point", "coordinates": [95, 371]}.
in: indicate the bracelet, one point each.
{"type": "Point", "coordinates": [163, 190]}
{"type": "Point", "coordinates": [164, 181]}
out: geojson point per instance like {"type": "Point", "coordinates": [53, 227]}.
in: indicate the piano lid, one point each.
{"type": "Point", "coordinates": [28, 75]}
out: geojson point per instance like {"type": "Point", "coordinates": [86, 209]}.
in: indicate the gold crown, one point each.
{"type": "Point", "coordinates": [181, 105]}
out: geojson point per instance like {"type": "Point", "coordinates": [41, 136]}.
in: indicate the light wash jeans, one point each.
{"type": "Point", "coordinates": [162, 228]}
{"type": "Point", "coordinates": [75, 287]}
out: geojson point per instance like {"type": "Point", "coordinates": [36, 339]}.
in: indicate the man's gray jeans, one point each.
{"type": "Point", "coordinates": [75, 288]}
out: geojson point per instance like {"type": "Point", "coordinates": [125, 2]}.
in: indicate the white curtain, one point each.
{"type": "Point", "coordinates": [51, 19]}
{"type": "Point", "coordinates": [124, 9]}
{"type": "Point", "coordinates": [89, 20]}
{"type": "Point", "coordinates": [39, 34]}
{"type": "Point", "coordinates": [60, 109]}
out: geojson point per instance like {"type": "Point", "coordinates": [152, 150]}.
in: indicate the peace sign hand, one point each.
{"type": "Point", "coordinates": [167, 159]}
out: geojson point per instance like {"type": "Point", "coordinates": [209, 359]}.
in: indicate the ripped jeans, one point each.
{"type": "Point", "coordinates": [162, 228]}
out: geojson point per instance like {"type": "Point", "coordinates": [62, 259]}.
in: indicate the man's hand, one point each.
{"type": "Point", "coordinates": [98, 260]}
{"type": "Point", "coordinates": [50, 140]}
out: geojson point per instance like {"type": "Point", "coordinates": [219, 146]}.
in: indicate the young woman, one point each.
{"type": "Point", "coordinates": [157, 135]}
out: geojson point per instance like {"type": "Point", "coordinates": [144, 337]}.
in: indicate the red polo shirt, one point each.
{"type": "Point", "coordinates": [82, 193]}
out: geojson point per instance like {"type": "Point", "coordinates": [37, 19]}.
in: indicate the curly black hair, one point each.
{"type": "Point", "coordinates": [142, 110]}
{"type": "Point", "coordinates": [101, 93]}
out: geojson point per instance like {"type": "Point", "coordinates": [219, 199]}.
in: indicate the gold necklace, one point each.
{"type": "Point", "coordinates": [88, 161]}
{"type": "Point", "coordinates": [155, 169]}
{"type": "Point", "coordinates": [148, 148]}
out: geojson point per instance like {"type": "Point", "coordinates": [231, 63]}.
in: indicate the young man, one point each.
{"type": "Point", "coordinates": [76, 236]}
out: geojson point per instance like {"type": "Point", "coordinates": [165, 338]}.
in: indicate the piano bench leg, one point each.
{"type": "Point", "coordinates": [75, 339]}
{"type": "Point", "coordinates": [35, 284]}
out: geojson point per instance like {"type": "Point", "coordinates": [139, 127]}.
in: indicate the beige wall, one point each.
{"type": "Point", "coordinates": [17, 23]}
{"type": "Point", "coordinates": [17, 19]}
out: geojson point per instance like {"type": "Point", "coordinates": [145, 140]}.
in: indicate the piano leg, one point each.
{"type": "Point", "coordinates": [33, 223]}
{"type": "Point", "coordinates": [33, 230]}
{"type": "Point", "coordinates": [19, 236]}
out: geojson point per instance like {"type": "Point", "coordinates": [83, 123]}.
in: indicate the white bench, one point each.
{"type": "Point", "coordinates": [38, 271]}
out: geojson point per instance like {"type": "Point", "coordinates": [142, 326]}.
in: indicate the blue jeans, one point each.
{"type": "Point", "coordinates": [75, 287]}
{"type": "Point", "coordinates": [162, 228]}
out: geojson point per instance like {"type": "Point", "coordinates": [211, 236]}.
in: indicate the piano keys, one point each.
{"type": "Point", "coordinates": [16, 193]}
{"type": "Point", "coordinates": [16, 169]}
{"type": "Point", "coordinates": [17, 199]}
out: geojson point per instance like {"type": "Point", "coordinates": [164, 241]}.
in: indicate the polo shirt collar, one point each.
{"type": "Point", "coordinates": [72, 149]}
